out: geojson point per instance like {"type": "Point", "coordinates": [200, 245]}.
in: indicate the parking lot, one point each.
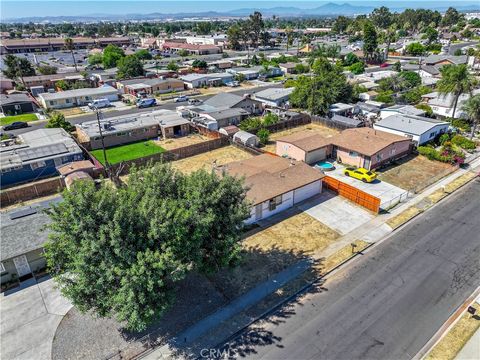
{"type": "Point", "coordinates": [388, 194]}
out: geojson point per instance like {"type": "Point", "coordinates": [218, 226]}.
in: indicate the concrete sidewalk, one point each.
{"type": "Point", "coordinates": [184, 339]}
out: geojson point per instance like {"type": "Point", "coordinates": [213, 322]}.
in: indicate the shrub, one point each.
{"type": "Point", "coordinates": [357, 68]}
{"type": "Point", "coordinates": [263, 135]}
{"type": "Point", "coordinates": [428, 152]}
{"type": "Point", "coordinates": [270, 119]}
{"type": "Point", "coordinates": [463, 142]}
{"type": "Point", "coordinates": [250, 124]}
{"type": "Point", "coordinates": [461, 124]}
{"type": "Point", "coordinates": [443, 138]}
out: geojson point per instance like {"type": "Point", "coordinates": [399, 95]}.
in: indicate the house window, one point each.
{"type": "Point", "coordinates": [37, 165]}
{"type": "Point", "coordinates": [353, 154]}
{"type": "Point", "coordinates": [273, 203]}
{"type": "Point", "coordinates": [53, 102]}
{"type": "Point", "coordinates": [393, 151]}
{"type": "Point", "coordinates": [67, 101]}
{"type": "Point", "coordinates": [2, 267]}
{"type": "Point", "coordinates": [379, 157]}
{"type": "Point", "coordinates": [6, 170]}
{"type": "Point", "coordinates": [17, 107]}
{"type": "Point", "coordinates": [432, 134]}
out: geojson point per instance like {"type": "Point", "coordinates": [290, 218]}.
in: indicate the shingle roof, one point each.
{"type": "Point", "coordinates": [24, 234]}
{"type": "Point", "coordinates": [365, 141]}
{"type": "Point", "coordinates": [14, 98]}
{"type": "Point", "coordinates": [268, 176]}
{"type": "Point", "coordinates": [306, 141]}
{"type": "Point", "coordinates": [224, 100]}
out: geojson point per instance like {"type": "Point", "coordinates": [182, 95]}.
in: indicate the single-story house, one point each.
{"type": "Point", "coordinates": [275, 184]}
{"type": "Point", "coordinates": [193, 81]}
{"type": "Point", "coordinates": [77, 97]}
{"type": "Point", "coordinates": [274, 96]}
{"type": "Point", "coordinates": [227, 116]}
{"type": "Point", "coordinates": [304, 146]}
{"type": "Point", "coordinates": [229, 100]}
{"type": "Point", "coordinates": [360, 147]}
{"type": "Point", "coordinates": [368, 95]}
{"type": "Point", "coordinates": [173, 125]}
{"type": "Point", "coordinates": [288, 68]}
{"type": "Point", "coordinates": [23, 237]}
{"type": "Point", "coordinates": [194, 49]}
{"type": "Point", "coordinates": [48, 81]}
{"type": "Point", "coordinates": [445, 60]}
{"type": "Point", "coordinates": [342, 109]}
{"type": "Point", "coordinates": [419, 129]}
{"type": "Point", "coordinates": [117, 130]}
{"type": "Point", "coordinates": [247, 72]}
{"type": "Point", "coordinates": [15, 104]}
{"type": "Point", "coordinates": [246, 138]}
{"type": "Point", "coordinates": [150, 86]}
{"type": "Point", "coordinates": [36, 154]}
{"type": "Point", "coordinates": [442, 104]}
{"type": "Point", "coordinates": [401, 109]}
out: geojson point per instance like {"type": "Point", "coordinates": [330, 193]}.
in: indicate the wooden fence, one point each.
{"type": "Point", "coordinates": [304, 119]}
{"type": "Point", "coordinates": [31, 191]}
{"type": "Point", "coordinates": [352, 193]}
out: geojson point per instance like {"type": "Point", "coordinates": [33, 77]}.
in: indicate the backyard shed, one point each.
{"type": "Point", "coordinates": [246, 138]}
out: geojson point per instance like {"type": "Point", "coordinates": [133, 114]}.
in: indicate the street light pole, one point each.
{"type": "Point", "coordinates": [107, 169]}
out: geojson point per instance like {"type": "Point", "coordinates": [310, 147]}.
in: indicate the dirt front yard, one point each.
{"type": "Point", "coordinates": [221, 156]}
{"type": "Point", "coordinates": [415, 172]}
{"type": "Point", "coordinates": [313, 128]}
{"type": "Point", "coordinates": [175, 143]}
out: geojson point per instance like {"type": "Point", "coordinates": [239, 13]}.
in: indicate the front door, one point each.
{"type": "Point", "coordinates": [258, 212]}
{"type": "Point", "coordinates": [366, 163]}
{"type": "Point", "coordinates": [21, 264]}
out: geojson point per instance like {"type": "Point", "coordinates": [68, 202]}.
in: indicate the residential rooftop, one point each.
{"type": "Point", "coordinates": [103, 90]}
{"type": "Point", "coordinates": [409, 124]}
{"type": "Point", "coordinates": [274, 94]}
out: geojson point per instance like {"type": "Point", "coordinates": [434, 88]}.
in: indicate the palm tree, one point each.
{"type": "Point", "coordinates": [289, 35]}
{"type": "Point", "coordinates": [472, 109]}
{"type": "Point", "coordinates": [456, 80]}
{"type": "Point", "coordinates": [69, 45]}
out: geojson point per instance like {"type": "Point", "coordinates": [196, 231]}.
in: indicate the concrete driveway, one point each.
{"type": "Point", "coordinates": [388, 194]}
{"type": "Point", "coordinates": [336, 212]}
{"type": "Point", "coordinates": [29, 318]}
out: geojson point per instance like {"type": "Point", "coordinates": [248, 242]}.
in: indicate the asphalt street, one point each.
{"type": "Point", "coordinates": [170, 105]}
{"type": "Point", "coordinates": [389, 302]}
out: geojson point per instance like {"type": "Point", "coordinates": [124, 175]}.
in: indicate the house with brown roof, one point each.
{"type": "Point", "coordinates": [275, 183]}
{"type": "Point", "coordinates": [360, 147]}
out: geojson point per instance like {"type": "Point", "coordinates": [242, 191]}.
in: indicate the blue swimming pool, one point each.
{"type": "Point", "coordinates": [325, 166]}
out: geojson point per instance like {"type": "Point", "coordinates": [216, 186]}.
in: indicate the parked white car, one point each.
{"type": "Point", "coordinates": [181, 98]}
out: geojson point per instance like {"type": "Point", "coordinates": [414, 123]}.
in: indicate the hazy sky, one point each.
{"type": "Point", "coordinates": [16, 9]}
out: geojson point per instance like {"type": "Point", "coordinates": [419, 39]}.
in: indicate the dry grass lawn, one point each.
{"type": "Point", "coordinates": [273, 249]}
{"type": "Point", "coordinates": [341, 256]}
{"type": "Point", "coordinates": [403, 217]}
{"type": "Point", "coordinates": [451, 344]}
{"type": "Point", "coordinates": [300, 233]}
{"type": "Point", "coordinates": [313, 128]}
{"type": "Point", "coordinates": [415, 173]}
{"type": "Point", "coordinates": [71, 112]}
{"type": "Point", "coordinates": [175, 143]}
{"type": "Point", "coordinates": [459, 182]}
{"type": "Point", "coordinates": [222, 156]}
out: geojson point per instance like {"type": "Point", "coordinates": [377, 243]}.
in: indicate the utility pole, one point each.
{"type": "Point", "coordinates": [107, 167]}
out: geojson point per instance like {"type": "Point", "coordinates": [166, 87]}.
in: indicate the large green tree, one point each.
{"type": "Point", "coordinates": [130, 66]}
{"type": "Point", "coordinates": [370, 42]}
{"type": "Point", "coordinates": [120, 252]}
{"type": "Point", "coordinates": [456, 80]}
{"type": "Point", "coordinates": [472, 109]}
{"type": "Point", "coordinates": [57, 120]}
{"type": "Point", "coordinates": [256, 26]}
{"type": "Point", "coordinates": [111, 56]}
{"type": "Point", "coordinates": [327, 86]}
{"type": "Point", "coordinates": [17, 67]}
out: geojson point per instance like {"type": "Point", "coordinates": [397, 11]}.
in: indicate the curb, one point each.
{"type": "Point", "coordinates": [332, 271]}
{"type": "Point", "coordinates": [421, 211]}
{"type": "Point", "coordinates": [447, 326]}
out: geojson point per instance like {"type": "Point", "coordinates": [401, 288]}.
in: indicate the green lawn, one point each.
{"type": "Point", "coordinates": [23, 117]}
{"type": "Point", "coordinates": [128, 152]}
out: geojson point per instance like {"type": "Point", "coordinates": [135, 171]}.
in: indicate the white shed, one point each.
{"type": "Point", "coordinates": [246, 138]}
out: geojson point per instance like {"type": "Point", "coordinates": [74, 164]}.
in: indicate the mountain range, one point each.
{"type": "Point", "coordinates": [328, 9]}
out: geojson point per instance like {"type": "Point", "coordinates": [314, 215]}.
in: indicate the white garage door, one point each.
{"type": "Point", "coordinates": [315, 156]}
{"type": "Point", "coordinates": [308, 191]}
